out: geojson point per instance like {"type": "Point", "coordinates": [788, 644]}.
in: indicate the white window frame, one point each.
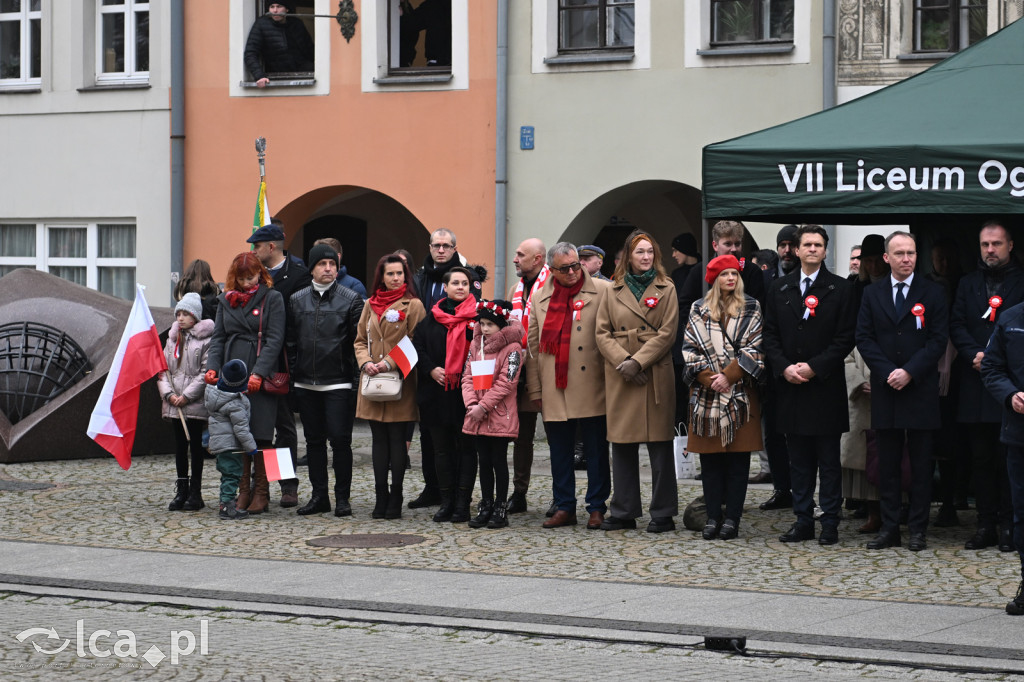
{"type": "Point", "coordinates": [240, 20]}
{"type": "Point", "coordinates": [91, 262]}
{"type": "Point", "coordinates": [376, 74]}
{"type": "Point", "coordinates": [699, 52]}
{"type": "Point", "coordinates": [129, 9]}
{"type": "Point", "coordinates": [545, 57]}
{"type": "Point", "coordinates": [25, 17]}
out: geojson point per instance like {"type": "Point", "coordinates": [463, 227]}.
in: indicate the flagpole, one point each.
{"type": "Point", "coordinates": [261, 154]}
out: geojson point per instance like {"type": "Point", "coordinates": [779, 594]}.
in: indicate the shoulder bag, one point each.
{"type": "Point", "coordinates": [382, 387]}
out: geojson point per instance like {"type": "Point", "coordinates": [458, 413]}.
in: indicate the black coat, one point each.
{"type": "Point", "coordinates": [290, 277]}
{"type": "Point", "coordinates": [1002, 370]}
{"type": "Point", "coordinates": [818, 407]}
{"type": "Point", "coordinates": [432, 274]}
{"type": "Point", "coordinates": [890, 340]}
{"type": "Point", "coordinates": [969, 330]}
{"type": "Point", "coordinates": [278, 47]}
{"type": "Point", "coordinates": [438, 407]}
{"type": "Point", "coordinates": [320, 336]}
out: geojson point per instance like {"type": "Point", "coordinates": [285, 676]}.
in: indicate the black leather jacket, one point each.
{"type": "Point", "coordinates": [321, 331]}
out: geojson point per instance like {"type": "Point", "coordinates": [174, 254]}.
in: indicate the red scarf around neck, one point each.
{"type": "Point", "coordinates": [457, 345]}
{"type": "Point", "coordinates": [240, 298]}
{"type": "Point", "coordinates": [557, 329]}
{"type": "Point", "coordinates": [383, 299]}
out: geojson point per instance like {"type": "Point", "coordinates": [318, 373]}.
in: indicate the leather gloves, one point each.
{"type": "Point", "coordinates": [254, 383]}
{"type": "Point", "coordinates": [630, 370]}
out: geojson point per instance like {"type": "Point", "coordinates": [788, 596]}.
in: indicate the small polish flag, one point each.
{"type": "Point", "coordinates": [278, 464]}
{"type": "Point", "coordinates": [483, 374]}
{"type": "Point", "coordinates": [404, 355]}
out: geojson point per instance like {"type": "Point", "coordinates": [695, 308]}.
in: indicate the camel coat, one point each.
{"type": "Point", "coordinates": [584, 394]}
{"type": "Point", "coordinates": [630, 328]}
{"type": "Point", "coordinates": [374, 340]}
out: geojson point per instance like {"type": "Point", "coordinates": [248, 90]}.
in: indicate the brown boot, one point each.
{"type": "Point", "coordinates": [260, 488]}
{"type": "Point", "coordinates": [874, 522]}
{"type": "Point", "coordinates": [243, 484]}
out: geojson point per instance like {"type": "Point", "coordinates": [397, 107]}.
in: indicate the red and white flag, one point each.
{"type": "Point", "coordinates": [139, 357]}
{"type": "Point", "coordinates": [278, 464]}
{"type": "Point", "coordinates": [404, 355]}
{"type": "Point", "coordinates": [483, 374]}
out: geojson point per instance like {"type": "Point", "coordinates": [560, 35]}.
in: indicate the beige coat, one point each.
{"type": "Point", "coordinates": [383, 336]}
{"type": "Point", "coordinates": [584, 395]}
{"type": "Point", "coordinates": [853, 447]}
{"type": "Point", "coordinates": [630, 328]}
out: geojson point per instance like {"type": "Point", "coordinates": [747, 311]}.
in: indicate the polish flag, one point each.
{"type": "Point", "coordinates": [404, 355]}
{"type": "Point", "coordinates": [139, 357]}
{"type": "Point", "coordinates": [483, 374]}
{"type": "Point", "coordinates": [278, 464]}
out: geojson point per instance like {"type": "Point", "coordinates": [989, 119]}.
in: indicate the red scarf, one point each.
{"type": "Point", "coordinates": [457, 345]}
{"type": "Point", "coordinates": [240, 298]}
{"type": "Point", "coordinates": [383, 299]}
{"type": "Point", "coordinates": [557, 329]}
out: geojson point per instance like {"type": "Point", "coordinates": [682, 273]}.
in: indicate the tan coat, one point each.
{"type": "Point", "coordinates": [584, 395]}
{"type": "Point", "coordinates": [630, 328]}
{"type": "Point", "coordinates": [383, 336]}
{"type": "Point", "coordinates": [523, 401]}
{"type": "Point", "coordinates": [748, 436]}
{"type": "Point", "coordinates": [853, 448]}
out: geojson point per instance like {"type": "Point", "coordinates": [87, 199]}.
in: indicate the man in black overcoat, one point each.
{"type": "Point", "coordinates": [902, 331]}
{"type": "Point", "coordinates": [809, 328]}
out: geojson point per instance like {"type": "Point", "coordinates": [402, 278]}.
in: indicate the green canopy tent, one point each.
{"type": "Point", "coordinates": [945, 145]}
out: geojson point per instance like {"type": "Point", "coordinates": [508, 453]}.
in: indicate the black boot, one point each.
{"type": "Point", "coordinates": [381, 507]}
{"type": "Point", "coordinates": [462, 500]}
{"type": "Point", "coordinates": [499, 518]}
{"type": "Point", "coordinates": [180, 493]}
{"type": "Point", "coordinates": [195, 494]}
{"type": "Point", "coordinates": [228, 510]}
{"type": "Point", "coordinates": [1016, 607]}
{"type": "Point", "coordinates": [394, 510]}
{"type": "Point", "coordinates": [447, 507]}
{"type": "Point", "coordinates": [428, 498]}
{"type": "Point", "coordinates": [483, 514]}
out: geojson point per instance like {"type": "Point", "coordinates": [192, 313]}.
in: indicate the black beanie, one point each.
{"type": "Point", "coordinates": [685, 243]}
{"type": "Point", "coordinates": [320, 252]}
{"type": "Point", "coordinates": [497, 311]}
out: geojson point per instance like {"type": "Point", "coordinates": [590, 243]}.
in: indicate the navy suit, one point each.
{"type": "Point", "coordinates": [888, 339]}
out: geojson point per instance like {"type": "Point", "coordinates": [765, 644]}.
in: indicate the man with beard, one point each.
{"type": "Point", "coordinates": [981, 299]}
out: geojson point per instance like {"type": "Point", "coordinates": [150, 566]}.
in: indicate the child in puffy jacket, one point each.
{"type": "Point", "coordinates": [229, 432]}
{"type": "Point", "coordinates": [489, 384]}
{"type": "Point", "coordinates": [181, 392]}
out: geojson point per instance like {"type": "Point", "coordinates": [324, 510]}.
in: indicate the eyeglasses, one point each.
{"type": "Point", "coordinates": [441, 247]}
{"type": "Point", "coordinates": [566, 269]}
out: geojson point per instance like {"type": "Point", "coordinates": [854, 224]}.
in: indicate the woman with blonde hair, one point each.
{"type": "Point", "coordinates": [722, 350]}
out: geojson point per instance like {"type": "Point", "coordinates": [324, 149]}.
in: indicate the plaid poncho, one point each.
{"type": "Point", "coordinates": [707, 346]}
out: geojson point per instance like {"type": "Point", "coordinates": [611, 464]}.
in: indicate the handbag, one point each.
{"type": "Point", "coordinates": [686, 467]}
{"type": "Point", "coordinates": [382, 387]}
{"type": "Point", "coordinates": [278, 382]}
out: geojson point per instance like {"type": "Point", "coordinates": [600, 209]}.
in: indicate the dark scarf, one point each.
{"type": "Point", "coordinates": [557, 330]}
{"type": "Point", "coordinates": [456, 319]}
{"type": "Point", "coordinates": [994, 277]}
{"type": "Point", "coordinates": [237, 298]}
{"type": "Point", "coordinates": [638, 283]}
{"type": "Point", "coordinates": [383, 299]}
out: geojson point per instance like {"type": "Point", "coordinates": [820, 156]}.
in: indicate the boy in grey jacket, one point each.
{"type": "Point", "coordinates": [229, 432]}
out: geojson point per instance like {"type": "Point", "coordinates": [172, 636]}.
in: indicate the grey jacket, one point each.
{"type": "Point", "coordinates": [229, 421]}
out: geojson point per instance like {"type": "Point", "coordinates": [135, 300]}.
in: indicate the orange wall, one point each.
{"type": "Point", "coordinates": [434, 152]}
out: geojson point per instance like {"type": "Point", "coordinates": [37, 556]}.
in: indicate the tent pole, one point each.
{"type": "Point", "coordinates": [705, 243]}
{"type": "Point", "coordinates": [828, 96]}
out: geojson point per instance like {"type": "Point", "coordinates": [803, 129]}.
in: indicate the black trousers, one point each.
{"type": "Point", "coordinates": [328, 416]}
{"type": "Point", "coordinates": [775, 445]}
{"type": "Point", "coordinates": [388, 453]}
{"type": "Point", "coordinates": [890, 456]}
{"type": "Point", "coordinates": [192, 445]}
{"type": "Point", "coordinates": [991, 482]}
{"type": "Point", "coordinates": [427, 459]}
{"type": "Point", "coordinates": [724, 479]}
{"type": "Point", "coordinates": [454, 457]}
{"type": "Point", "coordinates": [809, 458]}
{"type": "Point", "coordinates": [493, 455]}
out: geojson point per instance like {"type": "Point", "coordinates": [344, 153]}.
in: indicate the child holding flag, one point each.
{"type": "Point", "coordinates": [489, 383]}
{"type": "Point", "coordinates": [229, 432]}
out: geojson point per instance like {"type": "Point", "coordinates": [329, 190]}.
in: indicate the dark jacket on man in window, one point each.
{"type": "Point", "coordinates": [277, 47]}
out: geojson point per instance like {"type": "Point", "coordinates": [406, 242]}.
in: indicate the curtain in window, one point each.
{"type": "Point", "coordinates": [118, 282]}
{"type": "Point", "coordinates": [116, 241]}
{"type": "Point", "coordinates": [18, 241]}
{"type": "Point", "coordinates": [72, 273]}
{"type": "Point", "coordinates": [68, 242]}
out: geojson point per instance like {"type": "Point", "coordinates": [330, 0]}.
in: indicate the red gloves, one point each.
{"type": "Point", "coordinates": [254, 383]}
{"type": "Point", "coordinates": [211, 377]}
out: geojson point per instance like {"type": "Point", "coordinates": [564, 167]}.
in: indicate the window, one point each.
{"type": "Point", "coordinates": [414, 45]}
{"type": "Point", "coordinates": [595, 25]}
{"type": "Point", "coordinates": [97, 255]}
{"type": "Point", "coordinates": [949, 25]}
{"type": "Point", "coordinates": [296, 64]}
{"type": "Point", "coordinates": [20, 34]}
{"type": "Point", "coordinates": [741, 22]}
{"type": "Point", "coordinates": [420, 36]}
{"type": "Point", "coordinates": [122, 28]}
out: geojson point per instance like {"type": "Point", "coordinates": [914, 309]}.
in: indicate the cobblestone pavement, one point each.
{"type": "Point", "coordinates": [173, 643]}
{"type": "Point", "coordinates": [94, 503]}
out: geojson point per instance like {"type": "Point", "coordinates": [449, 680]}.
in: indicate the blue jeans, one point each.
{"type": "Point", "coordinates": [328, 416]}
{"type": "Point", "coordinates": [562, 442]}
{"type": "Point", "coordinates": [1015, 471]}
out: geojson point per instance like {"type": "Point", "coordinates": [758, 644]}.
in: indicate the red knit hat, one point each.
{"type": "Point", "coordinates": [718, 264]}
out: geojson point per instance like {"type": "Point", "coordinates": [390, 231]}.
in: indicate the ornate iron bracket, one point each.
{"type": "Point", "coordinates": [346, 18]}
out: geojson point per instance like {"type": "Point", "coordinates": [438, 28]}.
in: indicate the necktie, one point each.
{"type": "Point", "coordinates": [900, 298]}
{"type": "Point", "coordinates": [807, 285]}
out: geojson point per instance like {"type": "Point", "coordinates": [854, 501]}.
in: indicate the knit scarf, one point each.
{"type": "Point", "coordinates": [383, 299]}
{"type": "Point", "coordinates": [521, 309]}
{"type": "Point", "coordinates": [638, 283]}
{"type": "Point", "coordinates": [237, 298]}
{"type": "Point", "coordinates": [557, 330]}
{"type": "Point", "coordinates": [456, 345]}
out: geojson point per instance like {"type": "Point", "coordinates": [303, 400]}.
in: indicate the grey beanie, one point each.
{"type": "Point", "coordinates": [191, 304]}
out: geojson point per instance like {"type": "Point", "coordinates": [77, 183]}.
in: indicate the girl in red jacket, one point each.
{"type": "Point", "coordinates": [489, 391]}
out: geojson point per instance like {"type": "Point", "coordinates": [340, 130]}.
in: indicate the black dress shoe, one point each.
{"type": "Point", "coordinates": [780, 499]}
{"type": "Point", "coordinates": [516, 504]}
{"type": "Point", "coordinates": [982, 538]}
{"type": "Point", "coordinates": [552, 509]}
{"type": "Point", "coordinates": [302, 461]}
{"type": "Point", "coordinates": [1016, 606]}
{"type": "Point", "coordinates": [661, 524]}
{"type": "Point", "coordinates": [710, 531]}
{"type": "Point", "coordinates": [828, 536]}
{"type": "Point", "coordinates": [798, 532]}
{"type": "Point", "coordinates": [884, 540]}
{"type": "Point", "coordinates": [343, 508]}
{"type": "Point", "coordinates": [427, 498]}
{"type": "Point", "coordinates": [1005, 538]}
{"type": "Point", "coordinates": [917, 542]}
{"type": "Point", "coordinates": [316, 505]}
{"type": "Point", "coordinates": [615, 523]}
{"type": "Point", "coordinates": [729, 530]}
